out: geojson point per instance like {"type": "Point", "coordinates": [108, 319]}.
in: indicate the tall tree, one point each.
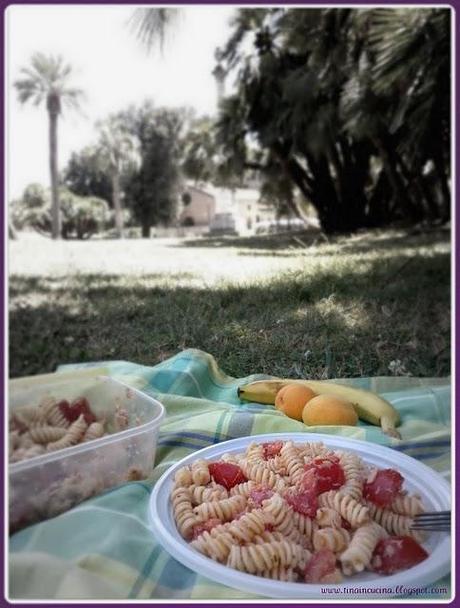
{"type": "Point", "coordinates": [153, 189]}
{"type": "Point", "coordinates": [201, 156]}
{"type": "Point", "coordinates": [199, 150]}
{"type": "Point", "coordinates": [116, 150]}
{"type": "Point", "coordinates": [86, 175]}
{"type": "Point", "coordinates": [46, 81]}
{"type": "Point", "coordinates": [417, 64]}
{"type": "Point", "coordinates": [346, 104]}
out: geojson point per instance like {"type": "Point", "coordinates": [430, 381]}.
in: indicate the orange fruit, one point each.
{"type": "Point", "coordinates": [328, 409]}
{"type": "Point", "coordinates": [291, 399]}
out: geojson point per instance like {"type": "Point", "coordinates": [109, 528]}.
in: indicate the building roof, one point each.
{"type": "Point", "coordinates": [202, 190]}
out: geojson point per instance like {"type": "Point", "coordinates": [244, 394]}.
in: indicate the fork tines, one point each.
{"type": "Point", "coordinates": [436, 522]}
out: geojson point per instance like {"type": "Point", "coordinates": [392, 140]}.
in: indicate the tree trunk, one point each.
{"type": "Point", "coordinates": [117, 204]}
{"type": "Point", "coordinates": [390, 160]}
{"type": "Point", "coordinates": [145, 230]}
{"type": "Point", "coordinates": [11, 231]}
{"type": "Point", "coordinates": [296, 173]}
{"type": "Point", "coordinates": [379, 201]}
{"type": "Point", "coordinates": [444, 185]}
{"type": "Point", "coordinates": [414, 176]}
{"type": "Point", "coordinates": [55, 209]}
{"type": "Point", "coordinates": [324, 195]}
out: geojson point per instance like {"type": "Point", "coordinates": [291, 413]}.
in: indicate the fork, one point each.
{"type": "Point", "coordinates": [438, 521]}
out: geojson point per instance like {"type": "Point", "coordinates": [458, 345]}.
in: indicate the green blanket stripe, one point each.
{"type": "Point", "coordinates": [115, 555]}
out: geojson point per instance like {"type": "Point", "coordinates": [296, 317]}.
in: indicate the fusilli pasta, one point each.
{"type": "Point", "coordinates": [201, 494]}
{"type": "Point", "coordinates": [349, 508]}
{"type": "Point", "coordinates": [292, 461]}
{"type": "Point", "coordinates": [263, 475]}
{"type": "Point", "coordinates": [183, 477]}
{"type": "Point", "coordinates": [94, 431]}
{"type": "Point", "coordinates": [335, 539]}
{"type": "Point", "coordinates": [48, 427]}
{"type": "Point", "coordinates": [266, 556]}
{"type": "Point", "coordinates": [353, 470]}
{"type": "Point", "coordinates": [224, 510]}
{"type": "Point", "coordinates": [328, 518]}
{"type": "Point", "coordinates": [394, 523]}
{"type": "Point", "coordinates": [200, 473]}
{"type": "Point", "coordinates": [183, 511]}
{"type": "Point", "coordinates": [406, 504]}
{"type": "Point", "coordinates": [217, 547]}
{"type": "Point", "coordinates": [358, 554]}
{"type": "Point", "coordinates": [263, 527]}
{"type": "Point", "coordinates": [46, 434]}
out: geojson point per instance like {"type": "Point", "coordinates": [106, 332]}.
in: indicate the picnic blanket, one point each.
{"type": "Point", "coordinates": [104, 549]}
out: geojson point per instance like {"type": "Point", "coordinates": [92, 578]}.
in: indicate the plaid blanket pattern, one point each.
{"type": "Point", "coordinates": [113, 555]}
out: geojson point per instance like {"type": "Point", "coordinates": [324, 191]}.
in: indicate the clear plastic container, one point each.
{"type": "Point", "coordinates": [49, 484]}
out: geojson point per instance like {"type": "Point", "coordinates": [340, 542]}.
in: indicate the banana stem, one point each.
{"type": "Point", "coordinates": [388, 427]}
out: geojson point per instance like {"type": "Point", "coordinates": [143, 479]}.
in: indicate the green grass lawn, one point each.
{"type": "Point", "coordinates": [373, 304]}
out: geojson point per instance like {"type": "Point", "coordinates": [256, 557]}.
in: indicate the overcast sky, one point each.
{"type": "Point", "coordinates": [112, 68]}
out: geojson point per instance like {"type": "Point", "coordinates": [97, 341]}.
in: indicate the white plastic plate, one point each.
{"type": "Point", "coordinates": [419, 478]}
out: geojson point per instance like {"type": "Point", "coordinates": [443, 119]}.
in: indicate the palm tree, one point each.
{"type": "Point", "coordinates": [46, 81]}
{"type": "Point", "coordinates": [117, 150]}
{"type": "Point", "coordinates": [152, 24]}
{"type": "Point", "coordinates": [416, 68]}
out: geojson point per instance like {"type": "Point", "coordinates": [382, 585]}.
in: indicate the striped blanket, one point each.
{"type": "Point", "coordinates": [103, 548]}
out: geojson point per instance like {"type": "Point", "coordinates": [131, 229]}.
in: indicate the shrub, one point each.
{"type": "Point", "coordinates": [82, 216]}
{"type": "Point", "coordinates": [27, 210]}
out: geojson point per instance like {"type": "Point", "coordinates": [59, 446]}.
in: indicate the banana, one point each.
{"type": "Point", "coordinates": [368, 405]}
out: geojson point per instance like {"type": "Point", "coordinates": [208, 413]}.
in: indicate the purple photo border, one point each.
{"type": "Point", "coordinates": [455, 4]}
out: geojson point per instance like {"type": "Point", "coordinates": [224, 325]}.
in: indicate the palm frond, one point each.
{"type": "Point", "coordinates": [72, 97]}
{"type": "Point", "coordinates": [47, 75]}
{"type": "Point", "coordinates": [27, 90]}
{"type": "Point", "coordinates": [404, 39]}
{"type": "Point", "coordinates": [412, 67]}
{"type": "Point", "coordinates": [151, 25]}
{"type": "Point", "coordinates": [116, 147]}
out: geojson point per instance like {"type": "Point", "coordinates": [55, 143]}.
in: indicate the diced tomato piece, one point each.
{"type": "Point", "coordinates": [81, 406]}
{"type": "Point", "coordinates": [259, 494]}
{"type": "Point", "coordinates": [269, 527]}
{"type": "Point", "coordinates": [330, 475]}
{"type": "Point", "coordinates": [205, 526]}
{"type": "Point", "coordinates": [309, 481]}
{"type": "Point", "coordinates": [226, 474]}
{"type": "Point", "coordinates": [73, 411]}
{"type": "Point", "coordinates": [304, 498]}
{"type": "Point", "coordinates": [302, 501]}
{"type": "Point", "coordinates": [384, 487]}
{"type": "Point", "coordinates": [321, 563]}
{"type": "Point", "coordinates": [345, 524]}
{"type": "Point", "coordinates": [64, 406]}
{"type": "Point", "coordinates": [272, 449]}
{"type": "Point", "coordinates": [397, 553]}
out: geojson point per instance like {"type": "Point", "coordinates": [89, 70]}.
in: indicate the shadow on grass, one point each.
{"type": "Point", "coordinates": [294, 242]}
{"type": "Point", "coordinates": [347, 321]}
{"type": "Point", "coordinates": [270, 242]}
{"type": "Point", "coordinates": [25, 285]}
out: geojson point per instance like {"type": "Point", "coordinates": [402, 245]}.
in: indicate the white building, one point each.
{"type": "Point", "coordinates": [237, 209]}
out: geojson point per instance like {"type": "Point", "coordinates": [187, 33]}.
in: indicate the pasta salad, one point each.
{"type": "Point", "coordinates": [54, 424]}
{"type": "Point", "coordinates": [298, 512]}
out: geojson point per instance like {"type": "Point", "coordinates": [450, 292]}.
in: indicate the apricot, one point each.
{"type": "Point", "coordinates": [329, 409]}
{"type": "Point", "coordinates": [291, 400]}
